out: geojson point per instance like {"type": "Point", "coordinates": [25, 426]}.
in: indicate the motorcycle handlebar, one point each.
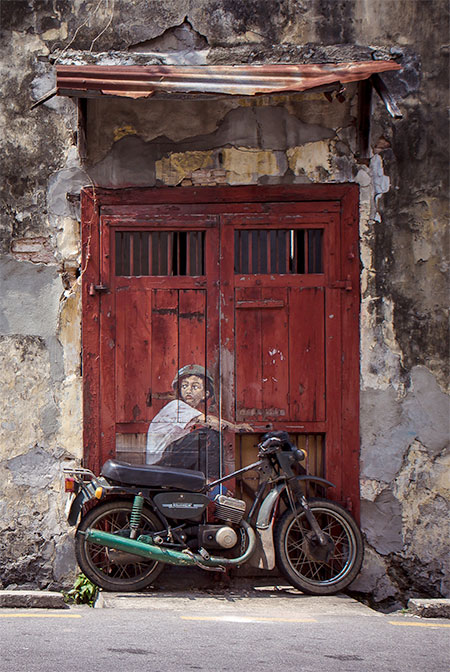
{"type": "Point", "coordinates": [271, 442]}
{"type": "Point", "coordinates": [274, 444]}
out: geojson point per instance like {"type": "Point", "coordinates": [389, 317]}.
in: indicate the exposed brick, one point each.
{"type": "Point", "coordinates": [37, 250]}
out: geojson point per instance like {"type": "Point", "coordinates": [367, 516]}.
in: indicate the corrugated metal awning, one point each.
{"type": "Point", "coordinates": [142, 81]}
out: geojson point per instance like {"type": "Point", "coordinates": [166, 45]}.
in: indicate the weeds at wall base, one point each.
{"type": "Point", "coordinates": [83, 592]}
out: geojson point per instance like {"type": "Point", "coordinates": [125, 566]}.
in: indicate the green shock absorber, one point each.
{"type": "Point", "coordinates": [135, 516]}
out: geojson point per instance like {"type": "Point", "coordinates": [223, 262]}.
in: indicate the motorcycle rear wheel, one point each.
{"type": "Point", "coordinates": [295, 554]}
{"type": "Point", "coordinates": [107, 568]}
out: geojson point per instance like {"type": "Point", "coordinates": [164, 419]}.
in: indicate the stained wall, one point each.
{"type": "Point", "coordinates": [294, 139]}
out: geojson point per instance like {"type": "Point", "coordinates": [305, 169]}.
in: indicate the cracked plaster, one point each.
{"type": "Point", "coordinates": [404, 412]}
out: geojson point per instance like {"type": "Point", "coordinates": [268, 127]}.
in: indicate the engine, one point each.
{"type": "Point", "coordinates": [217, 536]}
{"type": "Point", "coordinates": [229, 510]}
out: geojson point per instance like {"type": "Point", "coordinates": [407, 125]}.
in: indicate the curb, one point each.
{"type": "Point", "coordinates": [437, 608]}
{"type": "Point", "coordinates": [31, 599]}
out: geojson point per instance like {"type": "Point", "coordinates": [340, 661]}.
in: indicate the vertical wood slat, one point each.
{"type": "Point", "coordinates": [134, 253]}
{"type": "Point", "coordinates": [192, 327]}
{"type": "Point", "coordinates": [117, 248]}
{"type": "Point", "coordinates": [221, 318]}
{"type": "Point", "coordinates": [155, 252]}
{"type": "Point", "coordinates": [263, 238]}
{"type": "Point", "coordinates": [350, 348]}
{"type": "Point", "coordinates": [144, 253]}
{"type": "Point", "coordinates": [164, 345]}
{"type": "Point", "coordinates": [126, 253]}
{"type": "Point", "coordinates": [276, 361]}
{"type": "Point", "coordinates": [298, 261]}
{"type": "Point", "coordinates": [91, 332]}
{"type": "Point", "coordinates": [133, 351]}
{"type": "Point", "coordinates": [281, 250]}
{"type": "Point", "coordinates": [335, 451]}
{"type": "Point", "coordinates": [107, 348]}
{"type": "Point", "coordinates": [307, 353]}
{"type": "Point", "coordinates": [248, 349]}
{"type": "Point", "coordinates": [170, 268]}
{"type": "Point", "coordinates": [189, 253]}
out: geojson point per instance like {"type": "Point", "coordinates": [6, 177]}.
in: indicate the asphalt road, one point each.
{"type": "Point", "coordinates": [271, 630]}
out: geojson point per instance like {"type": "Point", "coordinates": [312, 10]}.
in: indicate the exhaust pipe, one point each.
{"type": "Point", "coordinates": [170, 557]}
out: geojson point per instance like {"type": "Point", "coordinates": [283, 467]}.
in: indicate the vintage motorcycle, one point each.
{"type": "Point", "coordinates": [135, 519]}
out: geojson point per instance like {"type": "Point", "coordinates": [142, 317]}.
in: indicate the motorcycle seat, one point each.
{"type": "Point", "coordinates": [153, 476]}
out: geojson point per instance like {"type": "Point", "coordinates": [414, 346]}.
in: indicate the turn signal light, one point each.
{"type": "Point", "coordinates": [99, 493]}
{"type": "Point", "coordinates": [69, 484]}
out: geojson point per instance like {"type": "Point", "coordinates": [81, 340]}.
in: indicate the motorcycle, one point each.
{"type": "Point", "coordinates": [135, 519]}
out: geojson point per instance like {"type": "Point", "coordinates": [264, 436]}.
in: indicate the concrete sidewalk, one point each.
{"type": "Point", "coordinates": [260, 598]}
{"type": "Point", "coordinates": [269, 602]}
{"type": "Point", "coordinates": [31, 599]}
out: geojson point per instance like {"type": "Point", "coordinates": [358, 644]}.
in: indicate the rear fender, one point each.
{"type": "Point", "coordinates": [87, 493]}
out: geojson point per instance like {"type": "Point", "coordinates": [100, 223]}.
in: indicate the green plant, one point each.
{"type": "Point", "coordinates": [83, 591]}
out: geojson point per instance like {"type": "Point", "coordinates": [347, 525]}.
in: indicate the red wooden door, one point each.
{"type": "Point", "coordinates": [284, 304]}
{"type": "Point", "coordinates": [160, 274]}
{"type": "Point", "coordinates": [260, 294]}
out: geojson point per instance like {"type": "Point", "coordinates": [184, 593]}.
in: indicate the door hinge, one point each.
{"type": "Point", "coordinates": [342, 284]}
{"type": "Point", "coordinates": [97, 288]}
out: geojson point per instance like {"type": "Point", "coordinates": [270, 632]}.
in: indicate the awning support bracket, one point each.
{"type": "Point", "coordinates": [386, 96]}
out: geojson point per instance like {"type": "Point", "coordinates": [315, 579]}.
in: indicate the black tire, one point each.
{"type": "Point", "coordinates": [110, 569]}
{"type": "Point", "coordinates": [295, 559]}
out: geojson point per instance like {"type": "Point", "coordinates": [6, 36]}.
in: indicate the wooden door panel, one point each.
{"type": "Point", "coordinates": [248, 355]}
{"type": "Point", "coordinates": [157, 332]}
{"type": "Point", "coordinates": [307, 353]}
{"type": "Point", "coordinates": [280, 354]}
{"type": "Point", "coordinates": [133, 356]}
{"type": "Point", "coordinates": [192, 327]}
{"type": "Point", "coordinates": [164, 348]}
{"type": "Point", "coordinates": [262, 354]}
{"type": "Point", "coordinates": [275, 353]}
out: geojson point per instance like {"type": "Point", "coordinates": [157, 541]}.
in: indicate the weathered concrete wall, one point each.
{"type": "Point", "coordinates": [272, 139]}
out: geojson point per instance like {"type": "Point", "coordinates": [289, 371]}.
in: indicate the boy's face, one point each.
{"type": "Point", "coordinates": [192, 389]}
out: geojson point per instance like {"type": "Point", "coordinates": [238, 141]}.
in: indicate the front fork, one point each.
{"type": "Point", "coordinates": [294, 486]}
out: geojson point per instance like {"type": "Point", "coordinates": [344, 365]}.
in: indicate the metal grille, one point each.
{"type": "Point", "coordinates": [160, 253]}
{"type": "Point", "coordinates": [259, 251]}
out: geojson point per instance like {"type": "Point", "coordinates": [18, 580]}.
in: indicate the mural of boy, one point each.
{"type": "Point", "coordinates": [184, 434]}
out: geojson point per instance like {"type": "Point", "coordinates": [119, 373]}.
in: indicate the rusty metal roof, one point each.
{"type": "Point", "coordinates": [142, 81]}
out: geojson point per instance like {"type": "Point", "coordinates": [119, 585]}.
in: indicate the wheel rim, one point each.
{"type": "Point", "coordinates": [313, 571]}
{"type": "Point", "coordinates": [120, 568]}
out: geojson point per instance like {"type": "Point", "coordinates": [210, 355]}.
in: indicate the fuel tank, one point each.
{"type": "Point", "coordinates": [181, 505]}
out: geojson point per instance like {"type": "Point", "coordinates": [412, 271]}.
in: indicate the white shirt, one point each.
{"type": "Point", "coordinates": [167, 426]}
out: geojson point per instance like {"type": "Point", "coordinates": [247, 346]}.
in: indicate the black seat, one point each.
{"type": "Point", "coordinates": [150, 476]}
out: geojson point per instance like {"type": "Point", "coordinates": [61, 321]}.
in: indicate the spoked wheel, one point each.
{"type": "Point", "coordinates": [108, 568]}
{"type": "Point", "coordinates": [315, 569]}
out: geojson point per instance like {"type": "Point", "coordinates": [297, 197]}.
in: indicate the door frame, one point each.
{"type": "Point", "coordinates": [343, 198]}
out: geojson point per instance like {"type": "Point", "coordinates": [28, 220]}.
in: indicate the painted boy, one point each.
{"type": "Point", "coordinates": [183, 434]}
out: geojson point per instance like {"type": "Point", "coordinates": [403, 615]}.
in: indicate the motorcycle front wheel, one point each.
{"type": "Point", "coordinates": [304, 564]}
{"type": "Point", "coordinates": [110, 569]}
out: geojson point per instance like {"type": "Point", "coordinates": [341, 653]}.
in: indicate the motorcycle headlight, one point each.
{"type": "Point", "coordinates": [300, 455]}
